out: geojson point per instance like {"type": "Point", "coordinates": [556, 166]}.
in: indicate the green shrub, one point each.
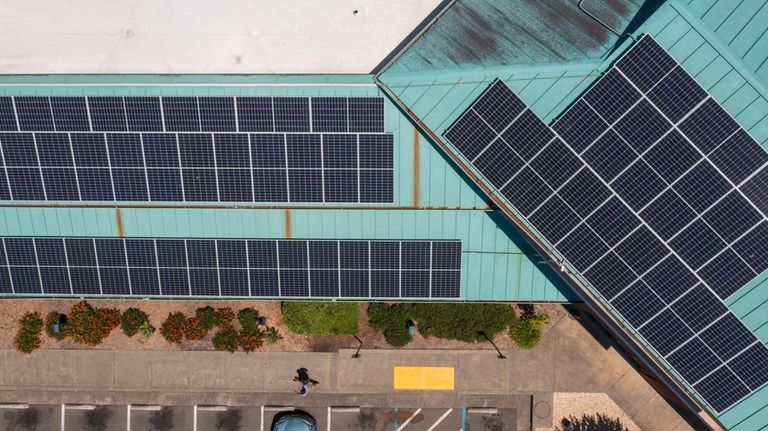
{"type": "Point", "coordinates": [89, 325]}
{"type": "Point", "coordinates": [248, 318]}
{"type": "Point", "coordinates": [391, 321]}
{"type": "Point", "coordinates": [461, 321]}
{"type": "Point", "coordinates": [251, 339]}
{"type": "Point", "coordinates": [321, 318]}
{"type": "Point", "coordinates": [146, 329]}
{"type": "Point", "coordinates": [53, 318]}
{"type": "Point", "coordinates": [271, 336]}
{"type": "Point", "coordinates": [194, 329]}
{"type": "Point", "coordinates": [226, 339]}
{"type": "Point", "coordinates": [27, 338]}
{"type": "Point", "coordinates": [132, 320]}
{"type": "Point", "coordinates": [526, 332]}
{"type": "Point", "coordinates": [212, 317]}
{"type": "Point", "coordinates": [173, 327]}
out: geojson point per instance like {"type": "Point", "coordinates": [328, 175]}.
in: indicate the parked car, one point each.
{"type": "Point", "coordinates": [296, 420]}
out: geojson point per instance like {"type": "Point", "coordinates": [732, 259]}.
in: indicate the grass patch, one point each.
{"type": "Point", "coordinates": [321, 318]}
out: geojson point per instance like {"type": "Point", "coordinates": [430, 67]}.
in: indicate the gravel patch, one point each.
{"type": "Point", "coordinates": [576, 404]}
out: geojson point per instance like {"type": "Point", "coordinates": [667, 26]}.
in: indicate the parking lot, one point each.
{"type": "Point", "coordinates": [22, 417]}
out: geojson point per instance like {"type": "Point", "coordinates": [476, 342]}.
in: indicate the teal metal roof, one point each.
{"type": "Point", "coordinates": [722, 43]}
{"type": "Point", "coordinates": [433, 199]}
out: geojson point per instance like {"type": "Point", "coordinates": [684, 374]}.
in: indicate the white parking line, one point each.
{"type": "Point", "coordinates": [128, 417]}
{"type": "Point", "coordinates": [63, 413]}
{"type": "Point", "coordinates": [262, 418]}
{"type": "Point", "coordinates": [407, 421]}
{"type": "Point", "coordinates": [194, 418]}
{"type": "Point", "coordinates": [329, 418]}
{"type": "Point", "coordinates": [445, 415]}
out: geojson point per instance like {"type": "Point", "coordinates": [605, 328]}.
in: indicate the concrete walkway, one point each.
{"type": "Point", "coordinates": [569, 359]}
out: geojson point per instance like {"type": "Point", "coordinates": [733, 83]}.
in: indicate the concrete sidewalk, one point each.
{"type": "Point", "coordinates": [569, 359]}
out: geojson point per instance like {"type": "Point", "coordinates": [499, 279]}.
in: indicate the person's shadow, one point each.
{"type": "Point", "coordinates": [302, 375]}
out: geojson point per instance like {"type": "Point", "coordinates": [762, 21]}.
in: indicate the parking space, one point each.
{"type": "Point", "coordinates": [491, 420]}
{"type": "Point", "coordinates": [145, 418]}
{"type": "Point", "coordinates": [222, 418]}
{"type": "Point", "coordinates": [25, 417]}
{"type": "Point", "coordinates": [93, 418]}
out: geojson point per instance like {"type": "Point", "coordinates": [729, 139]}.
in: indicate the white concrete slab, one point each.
{"type": "Point", "coordinates": [202, 36]}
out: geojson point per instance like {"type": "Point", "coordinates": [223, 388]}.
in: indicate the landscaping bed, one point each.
{"type": "Point", "coordinates": [11, 311]}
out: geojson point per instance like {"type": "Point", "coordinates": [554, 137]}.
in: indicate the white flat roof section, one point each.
{"type": "Point", "coordinates": [183, 36]}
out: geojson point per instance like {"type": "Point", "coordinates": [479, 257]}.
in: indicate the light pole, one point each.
{"type": "Point", "coordinates": [484, 335]}
{"type": "Point", "coordinates": [357, 354]}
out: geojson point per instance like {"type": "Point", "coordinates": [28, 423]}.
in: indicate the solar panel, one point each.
{"type": "Point", "coordinates": [216, 166]}
{"type": "Point", "coordinates": [651, 191]}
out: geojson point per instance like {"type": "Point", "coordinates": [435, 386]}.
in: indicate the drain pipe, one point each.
{"type": "Point", "coordinates": [601, 22]}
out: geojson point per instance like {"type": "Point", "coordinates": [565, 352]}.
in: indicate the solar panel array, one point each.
{"type": "Point", "coordinates": [196, 149]}
{"type": "Point", "coordinates": [652, 192]}
{"type": "Point", "coordinates": [226, 268]}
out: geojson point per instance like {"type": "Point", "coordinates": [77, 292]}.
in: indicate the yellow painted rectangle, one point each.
{"type": "Point", "coordinates": [424, 378]}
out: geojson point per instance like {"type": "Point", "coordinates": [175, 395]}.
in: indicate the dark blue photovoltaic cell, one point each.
{"type": "Point", "coordinates": [292, 254]}
{"type": "Point", "coordinates": [582, 247]}
{"type": "Point", "coordinates": [201, 253]}
{"type": "Point", "coordinates": [107, 114]}
{"type": "Point", "coordinates": [751, 247]}
{"type": "Point", "coordinates": [613, 221]}
{"type": "Point", "coordinates": [726, 273]}
{"type": "Point", "coordinates": [610, 275]}
{"type": "Point", "coordinates": [708, 126]}
{"type": "Point", "coordinates": [554, 219]}
{"type": "Point", "coordinates": [575, 194]}
{"type": "Point", "coordinates": [304, 151]}
{"type": "Point", "coordinates": [264, 282]}
{"type": "Point", "coordinates": [143, 114]}
{"type": "Point", "coordinates": [646, 63]}
{"type": "Point", "coordinates": [324, 282]}
{"type": "Point", "coordinates": [160, 150]}
{"type": "Point", "coordinates": [354, 254]}
{"type": "Point", "coordinates": [164, 185]}
{"type": "Point", "coordinates": [727, 337]}
{"type": "Point", "coordinates": [54, 280]}
{"type": "Point", "coordinates": [232, 151]}
{"type": "Point", "coordinates": [25, 183]}
{"type": "Point", "coordinates": [144, 281]}
{"type": "Point", "coordinates": [498, 163]}
{"type": "Point", "coordinates": [7, 116]}
{"type": "Point", "coordinates": [665, 332]}
{"type": "Point", "coordinates": [414, 284]}
{"type": "Point", "coordinates": [376, 186]}
{"type": "Point", "coordinates": [732, 217]}
{"type": "Point", "coordinates": [693, 360]}
{"type": "Point", "coordinates": [114, 281]}
{"type": "Point", "coordinates": [199, 185]}
{"type": "Point", "coordinates": [526, 191]}
{"type": "Point", "coordinates": [470, 135]}
{"type": "Point", "coordinates": [340, 151]}
{"type": "Point", "coordinates": [580, 126]}
{"type": "Point", "coordinates": [755, 189]}
{"type": "Point", "coordinates": [637, 293]}
{"type": "Point", "coordinates": [749, 366]}
{"type": "Point", "coordinates": [415, 255]}
{"type": "Point", "coordinates": [445, 284]}
{"type": "Point", "coordinates": [5, 281]}
{"type": "Point", "coordinates": [25, 279]}
{"type": "Point", "coordinates": [556, 163]}
{"type": "Point", "coordinates": [20, 251]}
{"type": "Point", "coordinates": [446, 255]}
{"type": "Point", "coordinates": [739, 157]}
{"type": "Point", "coordinates": [130, 184]}
{"type": "Point", "coordinates": [90, 150]}
{"type": "Point", "coordinates": [385, 255]}
{"type": "Point", "coordinates": [204, 282]}
{"type": "Point", "coordinates": [80, 252]}
{"type": "Point", "coordinates": [95, 184]}
{"type": "Point", "coordinates": [611, 96]}
{"type": "Point", "coordinates": [53, 149]}
{"type": "Point", "coordinates": [376, 151]}
{"type": "Point", "coordinates": [699, 307]}
{"type": "Point", "coordinates": [270, 185]}
{"type": "Point", "coordinates": [34, 113]}
{"type": "Point", "coordinates": [305, 185]}
{"type": "Point", "coordinates": [85, 281]}
{"type": "Point", "coordinates": [672, 156]}
{"type": "Point", "coordinates": [702, 186]}
{"type": "Point", "coordinates": [234, 185]}
{"type": "Point", "coordinates": [498, 106]}
{"type": "Point", "coordinates": [70, 114]}
{"type": "Point", "coordinates": [677, 94]}
{"type": "Point", "coordinates": [329, 114]}
{"type": "Point", "coordinates": [174, 282]}
{"type": "Point", "coordinates": [642, 126]}
{"type": "Point", "coordinates": [171, 253]}
{"type": "Point", "coordinates": [50, 251]}
{"type": "Point", "coordinates": [697, 243]}
{"type": "Point", "coordinates": [340, 185]}
{"type": "Point", "coordinates": [125, 150]}
{"type": "Point", "coordinates": [641, 250]}
{"type": "Point", "coordinates": [140, 252]}
{"type": "Point", "coordinates": [323, 254]}
{"type": "Point", "coordinates": [528, 135]}
{"type": "Point", "coordinates": [234, 282]}
{"type": "Point", "coordinates": [217, 114]}
{"type": "Point", "coordinates": [196, 151]}
{"type": "Point", "coordinates": [109, 252]}
{"type": "Point", "coordinates": [638, 185]}
{"type": "Point", "coordinates": [18, 149]}
{"type": "Point", "coordinates": [268, 151]}
{"type": "Point", "coordinates": [294, 282]}
{"type": "Point", "coordinates": [355, 284]}
{"type": "Point", "coordinates": [670, 278]}
{"type": "Point", "coordinates": [291, 114]}
{"type": "Point", "coordinates": [366, 114]}
{"type": "Point", "coordinates": [668, 214]}
{"type": "Point", "coordinates": [721, 388]}
{"type": "Point", "coordinates": [385, 284]}
{"type": "Point", "coordinates": [181, 114]}
{"type": "Point", "coordinates": [254, 114]}
{"type": "Point", "coordinates": [609, 155]}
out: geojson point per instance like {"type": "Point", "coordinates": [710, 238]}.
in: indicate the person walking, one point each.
{"type": "Point", "coordinates": [302, 376]}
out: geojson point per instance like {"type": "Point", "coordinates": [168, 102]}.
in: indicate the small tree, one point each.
{"type": "Point", "coordinates": [89, 325]}
{"type": "Point", "coordinates": [133, 320]}
{"type": "Point", "coordinates": [226, 339]}
{"type": "Point", "coordinates": [173, 327]}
